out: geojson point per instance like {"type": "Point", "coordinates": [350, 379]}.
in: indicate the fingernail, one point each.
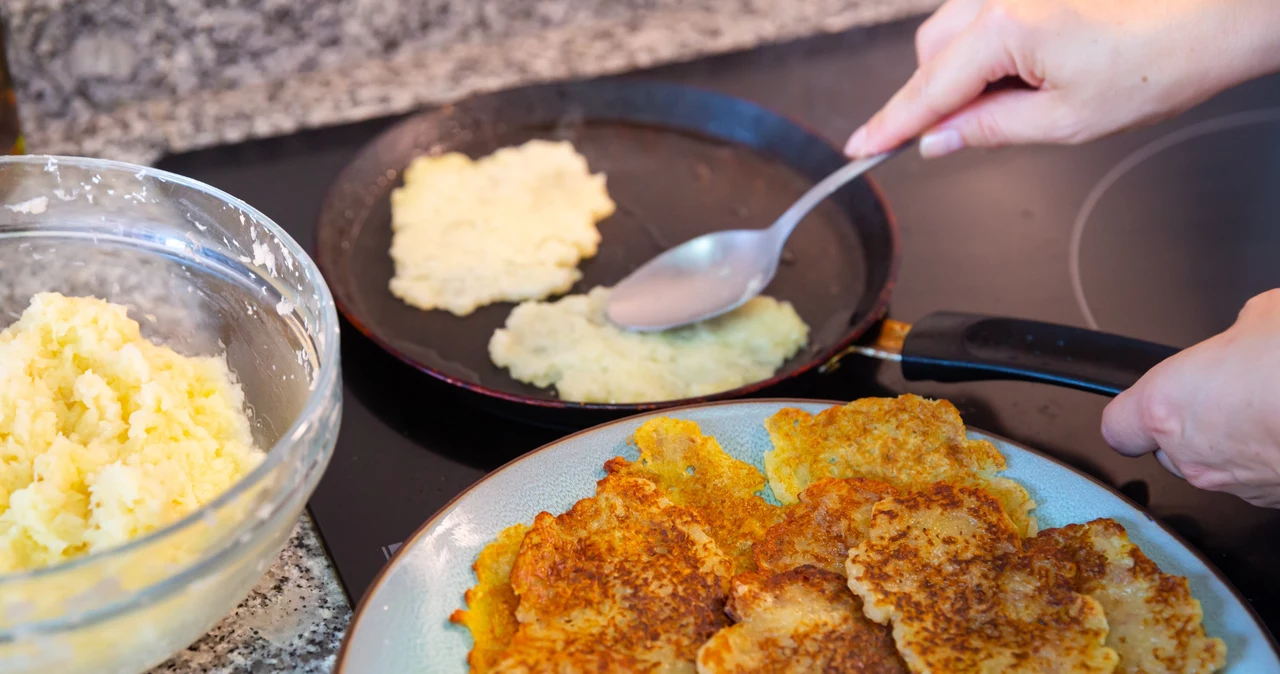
{"type": "Point", "coordinates": [856, 141]}
{"type": "Point", "coordinates": [940, 143]}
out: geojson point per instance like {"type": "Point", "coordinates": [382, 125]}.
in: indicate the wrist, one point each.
{"type": "Point", "coordinates": [1250, 32]}
{"type": "Point", "coordinates": [1200, 48]}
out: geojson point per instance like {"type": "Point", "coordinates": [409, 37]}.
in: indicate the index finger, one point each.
{"type": "Point", "coordinates": [944, 25]}
{"type": "Point", "coordinates": [940, 87]}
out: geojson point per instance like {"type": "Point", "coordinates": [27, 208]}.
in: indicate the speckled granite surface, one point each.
{"type": "Point", "coordinates": [132, 79]}
{"type": "Point", "coordinates": [293, 621]}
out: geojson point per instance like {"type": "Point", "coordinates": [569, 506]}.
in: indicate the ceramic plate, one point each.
{"type": "Point", "coordinates": [402, 625]}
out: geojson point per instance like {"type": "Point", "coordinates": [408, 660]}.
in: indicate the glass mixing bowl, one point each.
{"type": "Point", "coordinates": [205, 274]}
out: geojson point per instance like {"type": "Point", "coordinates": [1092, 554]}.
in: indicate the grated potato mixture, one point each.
{"type": "Point", "coordinates": [105, 436]}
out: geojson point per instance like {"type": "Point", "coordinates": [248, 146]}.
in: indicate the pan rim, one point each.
{"type": "Point", "coordinates": [879, 307]}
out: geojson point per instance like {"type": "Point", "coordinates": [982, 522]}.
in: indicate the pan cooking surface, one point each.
{"type": "Point", "coordinates": [670, 185]}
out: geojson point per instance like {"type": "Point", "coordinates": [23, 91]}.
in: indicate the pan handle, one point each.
{"type": "Point", "coordinates": [955, 347]}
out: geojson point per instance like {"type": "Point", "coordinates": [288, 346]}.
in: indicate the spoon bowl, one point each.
{"type": "Point", "coordinates": [702, 278]}
{"type": "Point", "coordinates": [716, 273]}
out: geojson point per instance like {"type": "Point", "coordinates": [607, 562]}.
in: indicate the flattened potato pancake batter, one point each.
{"type": "Point", "coordinates": [693, 471]}
{"type": "Point", "coordinates": [799, 621]}
{"type": "Point", "coordinates": [570, 344]}
{"type": "Point", "coordinates": [1156, 625]}
{"type": "Point", "coordinates": [831, 517]}
{"type": "Point", "coordinates": [625, 581]}
{"type": "Point", "coordinates": [511, 226]}
{"type": "Point", "coordinates": [945, 566]}
{"type": "Point", "coordinates": [907, 442]}
{"type": "Point", "coordinates": [491, 604]}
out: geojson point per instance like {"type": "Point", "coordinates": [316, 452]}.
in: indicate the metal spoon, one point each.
{"type": "Point", "coordinates": [718, 272]}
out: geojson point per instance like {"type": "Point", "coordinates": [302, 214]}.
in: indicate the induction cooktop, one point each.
{"type": "Point", "coordinates": [1160, 233]}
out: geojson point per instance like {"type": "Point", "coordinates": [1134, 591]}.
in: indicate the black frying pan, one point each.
{"type": "Point", "coordinates": [682, 162]}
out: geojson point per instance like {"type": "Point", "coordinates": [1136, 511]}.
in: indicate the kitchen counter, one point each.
{"type": "Point", "coordinates": [292, 621]}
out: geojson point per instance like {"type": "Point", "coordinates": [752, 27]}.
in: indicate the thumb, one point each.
{"type": "Point", "coordinates": [1015, 117]}
{"type": "Point", "coordinates": [1127, 425]}
{"type": "Point", "coordinates": [1150, 411]}
{"type": "Point", "coordinates": [1124, 423]}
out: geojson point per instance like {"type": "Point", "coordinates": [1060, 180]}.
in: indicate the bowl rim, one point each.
{"type": "Point", "coordinates": [324, 381]}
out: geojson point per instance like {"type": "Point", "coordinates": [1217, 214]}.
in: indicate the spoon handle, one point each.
{"type": "Point", "coordinates": [786, 223]}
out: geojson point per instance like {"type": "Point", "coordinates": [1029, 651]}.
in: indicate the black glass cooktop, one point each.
{"type": "Point", "coordinates": [1160, 234]}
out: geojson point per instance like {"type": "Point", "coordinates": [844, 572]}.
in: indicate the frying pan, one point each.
{"type": "Point", "coordinates": [681, 162]}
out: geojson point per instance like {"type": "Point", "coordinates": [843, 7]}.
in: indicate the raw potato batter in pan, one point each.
{"type": "Point", "coordinates": [511, 226]}
{"type": "Point", "coordinates": [570, 344]}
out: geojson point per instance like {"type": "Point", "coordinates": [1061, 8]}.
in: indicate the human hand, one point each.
{"type": "Point", "coordinates": [1092, 68]}
{"type": "Point", "coordinates": [1213, 411]}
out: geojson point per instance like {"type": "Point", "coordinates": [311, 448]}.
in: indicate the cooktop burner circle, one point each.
{"type": "Point", "coordinates": [1176, 237]}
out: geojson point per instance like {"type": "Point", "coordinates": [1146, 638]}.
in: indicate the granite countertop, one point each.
{"type": "Point", "coordinates": [292, 621]}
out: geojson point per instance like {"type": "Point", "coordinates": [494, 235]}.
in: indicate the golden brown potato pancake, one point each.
{"type": "Point", "coordinates": [491, 604]}
{"type": "Point", "coordinates": [1155, 622]}
{"type": "Point", "coordinates": [907, 442]}
{"type": "Point", "coordinates": [625, 581]}
{"type": "Point", "coordinates": [832, 517]}
{"type": "Point", "coordinates": [802, 620]}
{"type": "Point", "coordinates": [692, 470]}
{"type": "Point", "coordinates": [945, 566]}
